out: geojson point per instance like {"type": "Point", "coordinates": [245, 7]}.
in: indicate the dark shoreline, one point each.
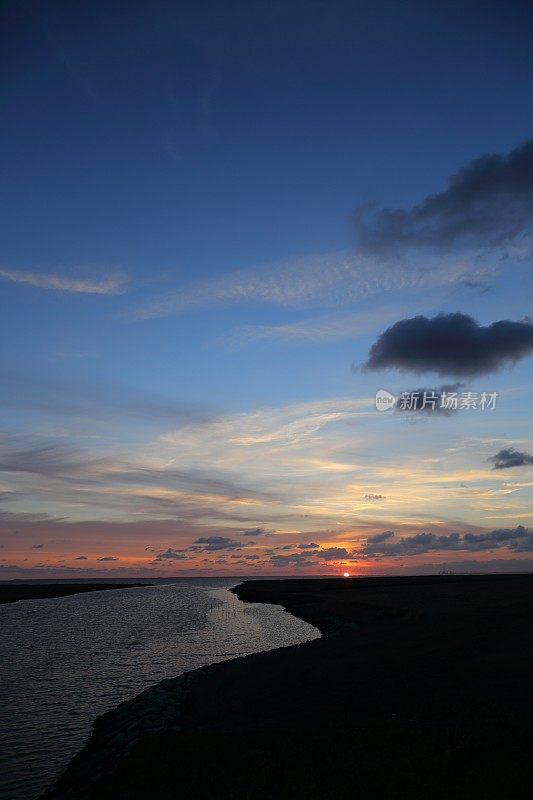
{"type": "Point", "coordinates": [419, 687]}
{"type": "Point", "coordinates": [40, 591]}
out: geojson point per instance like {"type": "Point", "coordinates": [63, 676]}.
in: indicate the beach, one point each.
{"type": "Point", "coordinates": [419, 687]}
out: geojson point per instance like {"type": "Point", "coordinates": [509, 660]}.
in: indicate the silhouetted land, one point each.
{"type": "Point", "coordinates": [419, 688]}
{"type": "Point", "coordinates": [37, 591]}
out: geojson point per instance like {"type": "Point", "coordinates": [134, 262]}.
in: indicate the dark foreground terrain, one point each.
{"type": "Point", "coordinates": [419, 688]}
{"type": "Point", "coordinates": [38, 591]}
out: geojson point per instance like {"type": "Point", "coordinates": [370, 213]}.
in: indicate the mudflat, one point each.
{"type": "Point", "coordinates": [419, 688]}
{"type": "Point", "coordinates": [12, 593]}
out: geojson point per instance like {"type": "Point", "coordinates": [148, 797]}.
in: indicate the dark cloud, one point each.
{"type": "Point", "coordinates": [450, 344]}
{"type": "Point", "coordinates": [333, 553]}
{"type": "Point", "coordinates": [372, 498]}
{"type": "Point", "coordinates": [378, 538]}
{"type": "Point", "coordinates": [510, 457]}
{"type": "Point", "coordinates": [383, 544]}
{"type": "Point", "coordinates": [281, 547]}
{"type": "Point", "coordinates": [217, 543]}
{"type": "Point", "coordinates": [487, 202]}
{"type": "Point", "coordinates": [80, 558]}
{"type": "Point", "coordinates": [37, 546]}
{"type": "Point", "coordinates": [293, 560]}
{"type": "Point", "coordinates": [518, 539]}
{"type": "Point", "coordinates": [171, 555]}
{"type": "Point", "coordinates": [309, 546]}
{"type": "Point", "coordinates": [108, 558]}
{"type": "Point", "coordinates": [256, 532]}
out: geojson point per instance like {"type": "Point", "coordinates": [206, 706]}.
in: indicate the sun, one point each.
{"type": "Point", "coordinates": [346, 574]}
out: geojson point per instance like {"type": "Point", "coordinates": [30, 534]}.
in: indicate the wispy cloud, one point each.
{"type": "Point", "coordinates": [51, 393]}
{"type": "Point", "coordinates": [114, 284]}
{"type": "Point", "coordinates": [330, 279]}
{"type": "Point", "coordinates": [331, 328]}
{"type": "Point", "coordinates": [313, 472]}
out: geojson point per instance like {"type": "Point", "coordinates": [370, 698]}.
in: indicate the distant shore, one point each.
{"type": "Point", "coordinates": [419, 688]}
{"type": "Point", "coordinates": [12, 593]}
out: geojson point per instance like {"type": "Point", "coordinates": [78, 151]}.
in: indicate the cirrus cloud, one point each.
{"type": "Point", "coordinates": [111, 285]}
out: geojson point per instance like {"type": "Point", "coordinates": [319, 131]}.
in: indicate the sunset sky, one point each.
{"type": "Point", "coordinates": [224, 228]}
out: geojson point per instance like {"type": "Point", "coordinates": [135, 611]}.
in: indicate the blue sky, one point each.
{"type": "Point", "coordinates": [184, 286]}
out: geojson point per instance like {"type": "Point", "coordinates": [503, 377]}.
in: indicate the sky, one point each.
{"type": "Point", "coordinates": [224, 228]}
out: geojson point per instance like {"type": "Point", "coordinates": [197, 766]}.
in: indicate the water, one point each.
{"type": "Point", "coordinates": [65, 661]}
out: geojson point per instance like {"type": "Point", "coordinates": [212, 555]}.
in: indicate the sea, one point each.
{"type": "Point", "coordinates": [65, 661]}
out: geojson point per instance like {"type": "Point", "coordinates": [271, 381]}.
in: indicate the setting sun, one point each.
{"type": "Point", "coordinates": [346, 574]}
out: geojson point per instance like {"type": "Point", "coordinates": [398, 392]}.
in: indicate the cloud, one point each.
{"type": "Point", "coordinates": [373, 498]}
{"type": "Point", "coordinates": [112, 285]}
{"type": "Point", "coordinates": [487, 202]}
{"type": "Point", "coordinates": [247, 438]}
{"type": "Point", "coordinates": [330, 279]}
{"type": "Point", "coordinates": [171, 555]}
{"type": "Point", "coordinates": [310, 546]}
{"type": "Point", "coordinates": [81, 558]}
{"type": "Point", "coordinates": [450, 344]}
{"type": "Point", "coordinates": [293, 560]}
{"type": "Point", "coordinates": [256, 532]}
{"type": "Point", "coordinates": [333, 554]}
{"type": "Point", "coordinates": [37, 546]}
{"type": "Point", "coordinates": [379, 538]}
{"type": "Point", "coordinates": [108, 558]}
{"type": "Point", "coordinates": [510, 457]}
{"type": "Point", "coordinates": [134, 482]}
{"type": "Point", "coordinates": [53, 394]}
{"type": "Point", "coordinates": [329, 328]}
{"type": "Point", "coordinates": [50, 460]}
{"type": "Point", "coordinates": [310, 558]}
{"type": "Point", "coordinates": [518, 539]}
{"type": "Point", "coordinates": [217, 543]}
